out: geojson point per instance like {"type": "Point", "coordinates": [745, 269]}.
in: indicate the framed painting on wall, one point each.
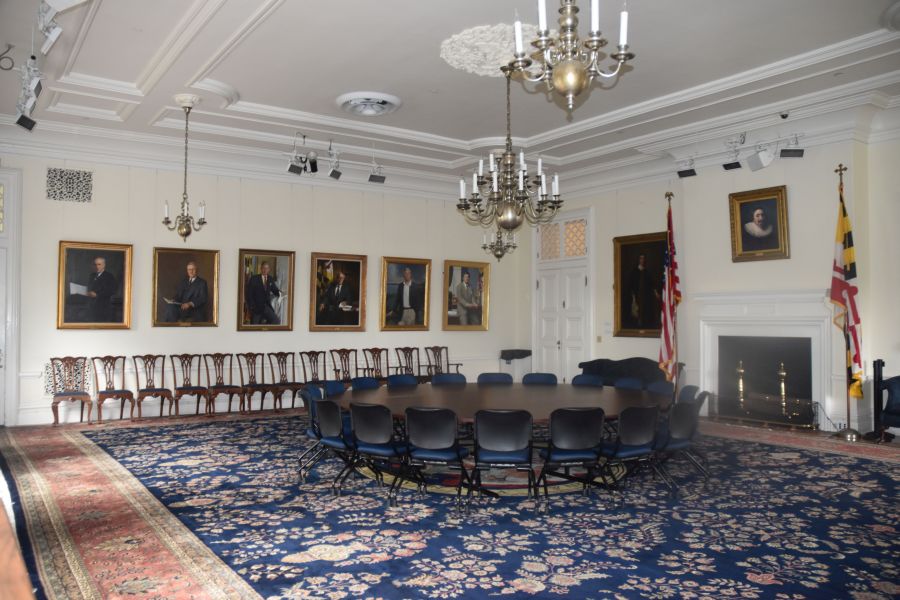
{"type": "Point", "coordinates": [466, 295]}
{"type": "Point", "coordinates": [405, 293]}
{"type": "Point", "coordinates": [265, 290]}
{"type": "Point", "coordinates": [759, 225]}
{"type": "Point", "coordinates": [337, 292]}
{"type": "Point", "coordinates": [185, 287]}
{"type": "Point", "coordinates": [638, 271]}
{"type": "Point", "coordinates": [94, 289]}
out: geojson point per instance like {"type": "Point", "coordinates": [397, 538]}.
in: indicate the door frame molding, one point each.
{"type": "Point", "coordinates": [12, 182]}
{"type": "Point", "coordinates": [586, 213]}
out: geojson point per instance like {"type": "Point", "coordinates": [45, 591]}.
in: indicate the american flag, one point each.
{"type": "Point", "coordinates": [844, 293]}
{"type": "Point", "coordinates": [671, 298]}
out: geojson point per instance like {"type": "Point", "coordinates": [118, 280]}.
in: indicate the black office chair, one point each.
{"type": "Point", "coordinates": [309, 394]}
{"type": "Point", "coordinates": [331, 430]}
{"type": "Point", "coordinates": [687, 393]}
{"type": "Point", "coordinates": [675, 437]}
{"type": "Point", "coordinates": [587, 380]}
{"type": "Point", "coordinates": [495, 379]}
{"type": "Point", "coordinates": [432, 437]}
{"type": "Point", "coordinates": [890, 414]}
{"type": "Point", "coordinates": [539, 379]}
{"type": "Point", "coordinates": [503, 440]}
{"type": "Point", "coordinates": [634, 444]}
{"type": "Point", "coordinates": [375, 446]}
{"type": "Point", "coordinates": [576, 436]}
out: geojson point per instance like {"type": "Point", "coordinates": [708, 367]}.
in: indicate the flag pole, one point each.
{"type": "Point", "coordinates": [848, 434]}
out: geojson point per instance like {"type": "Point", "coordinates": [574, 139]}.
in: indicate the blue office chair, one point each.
{"type": "Point", "coordinates": [687, 393]}
{"type": "Point", "coordinates": [629, 383]}
{"type": "Point", "coordinates": [403, 380]}
{"type": "Point", "coordinates": [374, 444]}
{"type": "Point", "coordinates": [332, 437]}
{"type": "Point", "coordinates": [661, 388]}
{"type": "Point", "coordinates": [432, 437]}
{"type": "Point", "coordinates": [539, 379]}
{"type": "Point", "coordinates": [675, 437]}
{"type": "Point", "coordinates": [495, 379]}
{"type": "Point", "coordinates": [503, 440]}
{"type": "Point", "coordinates": [587, 380]}
{"type": "Point", "coordinates": [890, 414]}
{"type": "Point", "coordinates": [333, 388]}
{"type": "Point", "coordinates": [448, 379]}
{"type": "Point", "coordinates": [364, 383]}
{"type": "Point", "coordinates": [634, 444]}
{"type": "Point", "coordinates": [576, 436]}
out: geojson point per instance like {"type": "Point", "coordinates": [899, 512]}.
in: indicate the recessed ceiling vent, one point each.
{"type": "Point", "coordinates": [368, 104]}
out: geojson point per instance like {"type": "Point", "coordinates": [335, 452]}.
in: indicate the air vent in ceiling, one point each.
{"type": "Point", "coordinates": [368, 104]}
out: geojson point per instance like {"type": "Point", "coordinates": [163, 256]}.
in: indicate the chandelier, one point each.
{"type": "Point", "coordinates": [506, 197]}
{"type": "Point", "coordinates": [565, 63]}
{"type": "Point", "coordinates": [184, 223]}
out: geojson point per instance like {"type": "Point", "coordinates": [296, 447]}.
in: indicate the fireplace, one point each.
{"type": "Point", "coordinates": [765, 379]}
{"type": "Point", "coordinates": [794, 314]}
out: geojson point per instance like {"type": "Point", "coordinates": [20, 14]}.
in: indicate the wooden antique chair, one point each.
{"type": "Point", "coordinates": [313, 363]}
{"type": "Point", "coordinates": [345, 364]}
{"type": "Point", "coordinates": [150, 371]}
{"type": "Point", "coordinates": [283, 367]}
{"type": "Point", "coordinates": [377, 363]}
{"type": "Point", "coordinates": [409, 362]}
{"type": "Point", "coordinates": [186, 369]}
{"type": "Point", "coordinates": [109, 381]}
{"type": "Point", "coordinates": [252, 367]}
{"type": "Point", "coordinates": [69, 376]}
{"type": "Point", "coordinates": [439, 360]}
{"type": "Point", "coordinates": [221, 380]}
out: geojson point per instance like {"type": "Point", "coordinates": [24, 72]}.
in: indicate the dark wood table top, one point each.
{"type": "Point", "coordinates": [539, 400]}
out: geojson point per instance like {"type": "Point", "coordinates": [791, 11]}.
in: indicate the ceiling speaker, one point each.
{"type": "Point", "coordinates": [760, 160]}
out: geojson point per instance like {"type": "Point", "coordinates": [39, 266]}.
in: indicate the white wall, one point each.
{"type": "Point", "coordinates": [242, 213]}
{"type": "Point", "coordinates": [703, 240]}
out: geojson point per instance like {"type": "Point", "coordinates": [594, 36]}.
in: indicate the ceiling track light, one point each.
{"type": "Point", "coordinates": [334, 162]}
{"type": "Point", "coordinates": [687, 169]}
{"type": "Point", "coordinates": [28, 94]}
{"type": "Point", "coordinates": [303, 163]}
{"type": "Point", "coordinates": [793, 149]}
{"type": "Point", "coordinates": [377, 175]}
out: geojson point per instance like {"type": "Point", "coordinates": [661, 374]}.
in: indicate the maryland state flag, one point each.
{"type": "Point", "coordinates": [843, 296]}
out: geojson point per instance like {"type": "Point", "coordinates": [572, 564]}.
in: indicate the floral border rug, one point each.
{"type": "Point", "coordinates": [213, 510]}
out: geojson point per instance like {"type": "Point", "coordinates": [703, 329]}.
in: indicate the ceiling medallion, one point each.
{"type": "Point", "coordinates": [368, 104]}
{"type": "Point", "coordinates": [482, 50]}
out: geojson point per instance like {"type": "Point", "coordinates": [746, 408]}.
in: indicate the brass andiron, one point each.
{"type": "Point", "coordinates": [740, 374]}
{"type": "Point", "coordinates": [782, 374]}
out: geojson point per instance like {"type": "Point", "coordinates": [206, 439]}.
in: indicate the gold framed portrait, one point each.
{"type": "Point", "coordinates": [759, 224]}
{"type": "Point", "coordinates": [638, 262]}
{"type": "Point", "coordinates": [466, 295]}
{"type": "Point", "coordinates": [337, 292]}
{"type": "Point", "coordinates": [265, 290]}
{"type": "Point", "coordinates": [185, 287]}
{"type": "Point", "coordinates": [405, 293]}
{"type": "Point", "coordinates": [94, 289]}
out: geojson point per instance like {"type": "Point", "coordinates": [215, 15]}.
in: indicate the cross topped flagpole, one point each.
{"type": "Point", "coordinates": [671, 296]}
{"type": "Point", "coordinates": [844, 294]}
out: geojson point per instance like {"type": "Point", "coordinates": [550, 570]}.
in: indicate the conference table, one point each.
{"type": "Point", "coordinates": [539, 400]}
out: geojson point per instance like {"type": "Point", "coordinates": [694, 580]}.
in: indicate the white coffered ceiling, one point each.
{"type": "Point", "coordinates": [268, 68]}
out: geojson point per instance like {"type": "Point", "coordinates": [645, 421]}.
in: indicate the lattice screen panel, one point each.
{"type": "Point", "coordinates": [550, 241]}
{"type": "Point", "coordinates": [576, 238]}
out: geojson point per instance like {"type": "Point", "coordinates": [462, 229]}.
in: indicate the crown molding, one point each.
{"type": "Point", "coordinates": [125, 88]}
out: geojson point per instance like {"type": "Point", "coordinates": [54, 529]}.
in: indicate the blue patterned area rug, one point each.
{"type": "Point", "coordinates": [774, 522]}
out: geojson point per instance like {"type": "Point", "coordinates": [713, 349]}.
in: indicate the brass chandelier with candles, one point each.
{"type": "Point", "coordinates": [506, 197]}
{"type": "Point", "coordinates": [565, 63]}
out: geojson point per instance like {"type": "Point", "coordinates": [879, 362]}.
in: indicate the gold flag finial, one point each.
{"type": "Point", "coordinates": [669, 196]}
{"type": "Point", "coordinates": [841, 169]}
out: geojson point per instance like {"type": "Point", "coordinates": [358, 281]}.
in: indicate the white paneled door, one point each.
{"type": "Point", "coordinates": [4, 289]}
{"type": "Point", "coordinates": [563, 330]}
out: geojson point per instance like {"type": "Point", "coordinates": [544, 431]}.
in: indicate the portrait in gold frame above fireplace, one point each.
{"type": "Point", "coordinates": [759, 224]}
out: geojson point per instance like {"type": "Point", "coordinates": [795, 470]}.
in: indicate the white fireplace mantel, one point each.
{"type": "Point", "coordinates": [795, 313]}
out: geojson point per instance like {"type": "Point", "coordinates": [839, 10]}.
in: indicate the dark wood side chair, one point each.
{"type": "Point", "coordinates": [252, 367]}
{"type": "Point", "coordinates": [186, 370]}
{"type": "Point", "coordinates": [283, 366]}
{"type": "Point", "coordinates": [220, 379]}
{"type": "Point", "coordinates": [345, 364]}
{"type": "Point", "coordinates": [409, 362]}
{"type": "Point", "coordinates": [150, 371]}
{"type": "Point", "coordinates": [109, 381]}
{"type": "Point", "coordinates": [70, 383]}
{"type": "Point", "coordinates": [314, 369]}
{"type": "Point", "coordinates": [377, 363]}
{"type": "Point", "coordinates": [439, 360]}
